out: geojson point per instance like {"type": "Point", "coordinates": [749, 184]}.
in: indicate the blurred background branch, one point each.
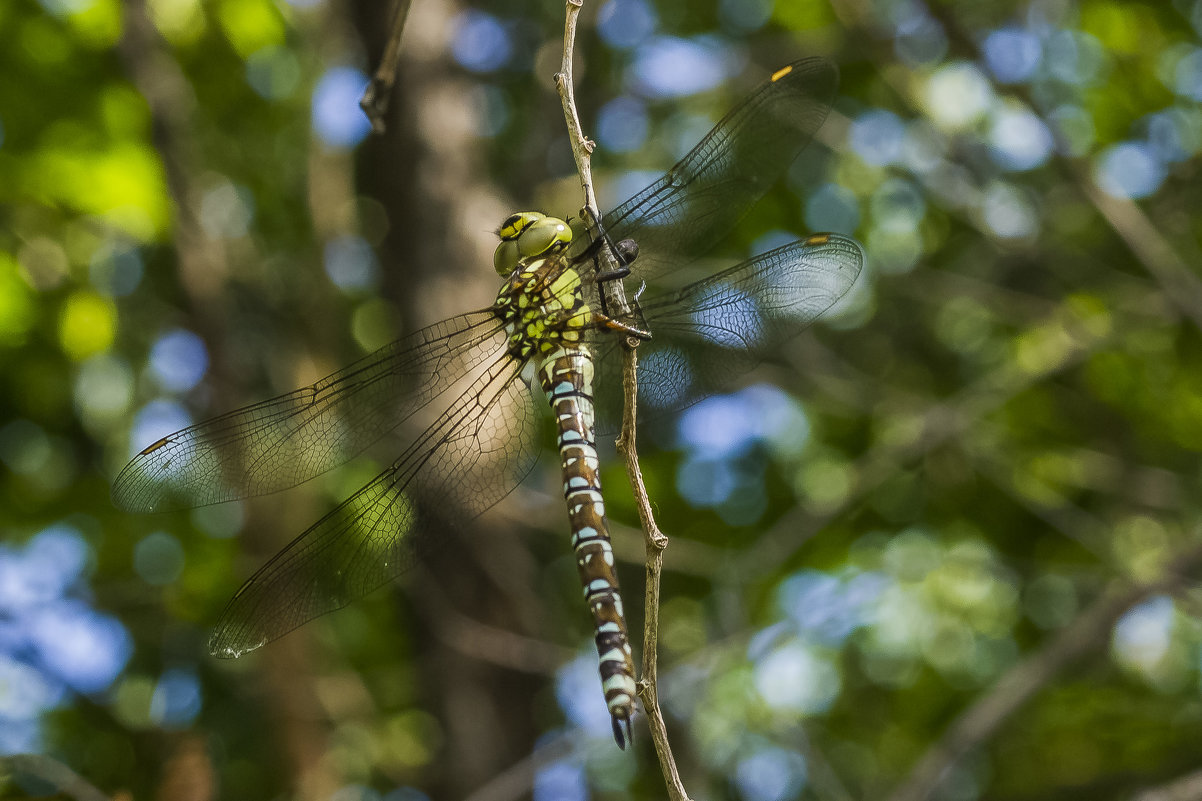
{"type": "Point", "coordinates": [1088, 632]}
{"type": "Point", "coordinates": [53, 773]}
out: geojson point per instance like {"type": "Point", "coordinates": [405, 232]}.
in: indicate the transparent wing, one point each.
{"type": "Point", "coordinates": [474, 454]}
{"type": "Point", "coordinates": [694, 204]}
{"type": "Point", "coordinates": [707, 334]}
{"type": "Point", "coordinates": [282, 442]}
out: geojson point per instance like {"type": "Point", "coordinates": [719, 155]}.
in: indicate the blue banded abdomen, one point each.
{"type": "Point", "coordinates": [566, 374]}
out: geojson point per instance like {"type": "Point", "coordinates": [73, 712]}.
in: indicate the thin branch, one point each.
{"type": "Point", "coordinates": [379, 91]}
{"type": "Point", "coordinates": [582, 146]}
{"type": "Point", "coordinates": [54, 773]}
{"type": "Point", "coordinates": [1086, 633]}
{"type": "Point", "coordinates": [656, 542]}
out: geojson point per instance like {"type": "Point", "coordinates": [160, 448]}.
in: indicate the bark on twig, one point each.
{"type": "Point", "coordinates": [656, 542]}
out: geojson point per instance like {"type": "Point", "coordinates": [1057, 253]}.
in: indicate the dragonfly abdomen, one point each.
{"type": "Point", "coordinates": [566, 375]}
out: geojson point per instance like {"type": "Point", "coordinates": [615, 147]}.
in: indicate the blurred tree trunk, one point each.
{"type": "Point", "coordinates": [427, 173]}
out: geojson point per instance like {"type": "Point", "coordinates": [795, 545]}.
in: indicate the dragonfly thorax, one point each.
{"type": "Point", "coordinates": [543, 306]}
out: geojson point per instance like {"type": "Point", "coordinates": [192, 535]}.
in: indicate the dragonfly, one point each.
{"type": "Point", "coordinates": [572, 295]}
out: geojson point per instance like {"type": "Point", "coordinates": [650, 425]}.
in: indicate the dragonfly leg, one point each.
{"type": "Point", "coordinates": [618, 267]}
{"type": "Point", "coordinates": [613, 274]}
{"type": "Point", "coordinates": [623, 252]}
{"type": "Point", "coordinates": [621, 327]}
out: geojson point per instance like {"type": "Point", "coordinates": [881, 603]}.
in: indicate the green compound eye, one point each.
{"type": "Point", "coordinates": [543, 236]}
{"type": "Point", "coordinates": [505, 257]}
{"type": "Point", "coordinates": [526, 234]}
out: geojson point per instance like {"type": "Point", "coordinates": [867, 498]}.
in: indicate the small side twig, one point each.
{"type": "Point", "coordinates": [379, 90]}
{"type": "Point", "coordinates": [656, 542]}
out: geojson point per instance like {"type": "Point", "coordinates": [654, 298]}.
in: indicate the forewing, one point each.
{"type": "Point", "coordinates": [698, 201]}
{"type": "Point", "coordinates": [707, 334]}
{"type": "Point", "coordinates": [282, 442]}
{"type": "Point", "coordinates": [474, 454]}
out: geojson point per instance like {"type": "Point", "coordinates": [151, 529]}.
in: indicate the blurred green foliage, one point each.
{"type": "Point", "coordinates": [993, 439]}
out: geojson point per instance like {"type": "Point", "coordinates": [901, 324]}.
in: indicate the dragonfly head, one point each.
{"type": "Point", "coordinates": [526, 234]}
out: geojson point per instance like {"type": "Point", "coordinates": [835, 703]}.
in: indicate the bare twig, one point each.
{"type": "Point", "coordinates": [379, 91]}
{"type": "Point", "coordinates": [582, 146]}
{"type": "Point", "coordinates": [1087, 632]}
{"type": "Point", "coordinates": [656, 542]}
{"type": "Point", "coordinates": [53, 772]}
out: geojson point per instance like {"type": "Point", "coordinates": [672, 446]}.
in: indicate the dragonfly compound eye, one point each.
{"type": "Point", "coordinates": [525, 234]}
{"type": "Point", "coordinates": [544, 236]}
{"type": "Point", "coordinates": [505, 257]}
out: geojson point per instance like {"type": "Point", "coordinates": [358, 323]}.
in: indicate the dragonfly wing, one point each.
{"type": "Point", "coordinates": [699, 200]}
{"type": "Point", "coordinates": [282, 442]}
{"type": "Point", "coordinates": [707, 334]}
{"type": "Point", "coordinates": [473, 455]}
